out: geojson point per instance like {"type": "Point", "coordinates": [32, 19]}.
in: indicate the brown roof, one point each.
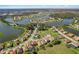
{"type": "Point", "coordinates": [12, 52]}
{"type": "Point", "coordinates": [34, 43]}
{"type": "Point", "coordinates": [75, 44]}
{"type": "Point", "coordinates": [76, 38]}
{"type": "Point", "coordinates": [67, 41]}
{"type": "Point", "coordinates": [70, 34]}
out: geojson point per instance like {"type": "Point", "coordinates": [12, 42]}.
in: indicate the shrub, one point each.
{"type": "Point", "coordinates": [49, 45]}
{"type": "Point", "coordinates": [43, 47]}
{"type": "Point", "coordinates": [67, 45]}
{"type": "Point", "coordinates": [7, 44]}
{"type": "Point", "coordinates": [34, 52]}
{"type": "Point", "coordinates": [14, 44]}
{"type": "Point", "coordinates": [55, 42]}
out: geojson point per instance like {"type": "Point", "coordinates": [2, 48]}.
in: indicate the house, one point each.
{"type": "Point", "coordinates": [61, 30]}
{"type": "Point", "coordinates": [30, 48]}
{"type": "Point", "coordinates": [39, 43]}
{"type": "Point", "coordinates": [76, 38]}
{"type": "Point", "coordinates": [67, 41]}
{"type": "Point", "coordinates": [34, 43]}
{"type": "Point", "coordinates": [19, 50]}
{"type": "Point", "coordinates": [65, 32]}
{"type": "Point", "coordinates": [12, 52]}
{"type": "Point", "coordinates": [70, 34]}
{"type": "Point", "coordinates": [74, 45]}
{"type": "Point", "coordinates": [60, 37]}
{"type": "Point", "coordinates": [43, 41]}
{"type": "Point", "coordinates": [24, 48]}
{"type": "Point", "coordinates": [49, 37]}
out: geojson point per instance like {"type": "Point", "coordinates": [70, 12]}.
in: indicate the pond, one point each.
{"type": "Point", "coordinates": [21, 22]}
{"type": "Point", "coordinates": [65, 21]}
{"type": "Point", "coordinates": [8, 32]}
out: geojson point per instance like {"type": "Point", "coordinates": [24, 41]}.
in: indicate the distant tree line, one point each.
{"type": "Point", "coordinates": [64, 15]}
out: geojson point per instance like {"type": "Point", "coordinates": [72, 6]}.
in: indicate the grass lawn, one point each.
{"type": "Point", "coordinates": [48, 31]}
{"type": "Point", "coordinates": [75, 50]}
{"type": "Point", "coordinates": [1, 34]}
{"type": "Point", "coordinates": [57, 49]}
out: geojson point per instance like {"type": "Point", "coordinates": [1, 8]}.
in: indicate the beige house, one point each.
{"type": "Point", "coordinates": [76, 38]}
{"type": "Point", "coordinates": [70, 34]}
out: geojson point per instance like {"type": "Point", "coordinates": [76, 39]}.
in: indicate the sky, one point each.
{"type": "Point", "coordinates": [38, 6]}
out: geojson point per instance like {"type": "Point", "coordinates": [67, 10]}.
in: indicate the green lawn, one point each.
{"type": "Point", "coordinates": [75, 50]}
{"type": "Point", "coordinates": [57, 49]}
{"type": "Point", "coordinates": [48, 31]}
{"type": "Point", "coordinates": [1, 34]}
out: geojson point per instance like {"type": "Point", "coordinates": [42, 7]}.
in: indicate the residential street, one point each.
{"type": "Point", "coordinates": [66, 36]}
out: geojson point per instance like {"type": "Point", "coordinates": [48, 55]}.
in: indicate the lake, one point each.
{"type": "Point", "coordinates": [8, 32]}
{"type": "Point", "coordinates": [65, 21]}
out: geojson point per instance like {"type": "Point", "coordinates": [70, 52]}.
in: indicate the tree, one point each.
{"type": "Point", "coordinates": [55, 42]}
{"type": "Point", "coordinates": [43, 47]}
{"type": "Point", "coordinates": [7, 44]}
{"type": "Point", "coordinates": [50, 44]}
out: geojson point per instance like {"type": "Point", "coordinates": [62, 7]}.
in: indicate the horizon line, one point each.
{"type": "Point", "coordinates": [39, 6]}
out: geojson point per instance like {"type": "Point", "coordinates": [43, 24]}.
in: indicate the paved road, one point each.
{"type": "Point", "coordinates": [33, 34]}
{"type": "Point", "coordinates": [66, 36]}
{"type": "Point", "coordinates": [30, 38]}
